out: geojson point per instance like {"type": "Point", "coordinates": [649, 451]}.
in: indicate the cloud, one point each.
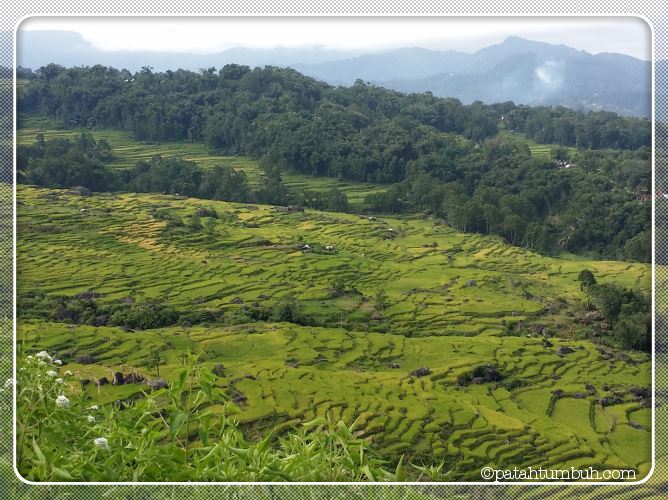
{"type": "Point", "coordinates": [465, 33]}
{"type": "Point", "coordinates": [550, 73]}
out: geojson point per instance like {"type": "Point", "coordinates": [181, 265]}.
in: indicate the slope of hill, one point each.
{"type": "Point", "coordinates": [466, 308]}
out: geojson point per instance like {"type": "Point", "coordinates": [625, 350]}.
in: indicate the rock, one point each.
{"type": "Point", "coordinates": [580, 395]}
{"type": "Point", "coordinates": [86, 359]}
{"type": "Point", "coordinates": [471, 283]}
{"type": "Point", "coordinates": [392, 364]}
{"type": "Point", "coordinates": [118, 379]}
{"type": "Point", "coordinates": [558, 393]}
{"type": "Point", "coordinates": [590, 389]}
{"type": "Point", "coordinates": [478, 380]}
{"type": "Point", "coordinates": [538, 329]}
{"type": "Point", "coordinates": [420, 372]}
{"type": "Point", "coordinates": [635, 425]}
{"type": "Point", "coordinates": [80, 191]}
{"type": "Point", "coordinates": [101, 320]}
{"type": "Point", "coordinates": [546, 343]}
{"type": "Point", "coordinates": [102, 381]}
{"type": "Point", "coordinates": [555, 377]}
{"type": "Point", "coordinates": [640, 392]}
{"type": "Point", "coordinates": [84, 382]}
{"type": "Point", "coordinates": [563, 350]}
{"type": "Point", "coordinates": [236, 301]}
{"type": "Point", "coordinates": [157, 384]}
{"type": "Point", "coordinates": [87, 295]}
{"type": "Point", "coordinates": [219, 370]}
{"type": "Point", "coordinates": [239, 397]}
{"type": "Point", "coordinates": [134, 378]}
{"type": "Point", "coordinates": [593, 315]}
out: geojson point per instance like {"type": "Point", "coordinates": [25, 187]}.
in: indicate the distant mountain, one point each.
{"type": "Point", "coordinates": [539, 73]}
{"type": "Point", "coordinates": [519, 70]}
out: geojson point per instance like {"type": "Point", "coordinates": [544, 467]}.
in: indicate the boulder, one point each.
{"type": "Point", "coordinates": [118, 379]}
{"type": "Point", "coordinates": [239, 397]}
{"type": "Point", "coordinates": [102, 381]}
{"type": "Point", "coordinates": [563, 350]}
{"type": "Point", "coordinates": [420, 372]}
{"type": "Point", "coordinates": [157, 384]}
{"type": "Point", "coordinates": [133, 378]}
{"type": "Point", "coordinates": [86, 359]}
{"type": "Point", "coordinates": [80, 191]}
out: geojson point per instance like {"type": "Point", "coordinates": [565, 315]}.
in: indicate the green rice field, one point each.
{"type": "Point", "coordinates": [454, 302]}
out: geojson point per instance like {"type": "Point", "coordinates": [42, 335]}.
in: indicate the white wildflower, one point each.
{"type": "Point", "coordinates": [51, 374]}
{"type": "Point", "coordinates": [62, 401]}
{"type": "Point", "coordinates": [41, 363]}
{"type": "Point", "coordinates": [91, 419]}
{"type": "Point", "coordinates": [94, 408]}
{"type": "Point", "coordinates": [57, 362]}
{"type": "Point", "coordinates": [102, 443]}
{"type": "Point", "coordinates": [59, 381]}
{"type": "Point", "coordinates": [29, 358]}
{"type": "Point", "coordinates": [43, 355]}
{"type": "Point", "coordinates": [68, 373]}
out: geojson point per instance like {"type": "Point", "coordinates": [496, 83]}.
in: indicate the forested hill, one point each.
{"type": "Point", "coordinates": [321, 129]}
{"type": "Point", "coordinates": [444, 157]}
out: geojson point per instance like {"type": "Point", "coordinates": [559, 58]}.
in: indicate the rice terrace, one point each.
{"type": "Point", "coordinates": [252, 275]}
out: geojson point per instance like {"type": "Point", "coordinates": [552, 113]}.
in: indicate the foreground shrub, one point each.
{"type": "Point", "coordinates": [170, 435]}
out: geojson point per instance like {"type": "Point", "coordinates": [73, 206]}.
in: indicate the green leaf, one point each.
{"type": "Point", "coordinates": [38, 452]}
{"type": "Point", "coordinates": [175, 424]}
{"type": "Point", "coordinates": [182, 378]}
{"type": "Point", "coordinates": [61, 474]}
{"type": "Point", "coordinates": [399, 472]}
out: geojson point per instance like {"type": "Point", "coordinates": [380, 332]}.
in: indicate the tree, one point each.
{"type": "Point", "coordinates": [381, 301]}
{"type": "Point", "coordinates": [586, 279]}
{"type": "Point", "coordinates": [155, 359]}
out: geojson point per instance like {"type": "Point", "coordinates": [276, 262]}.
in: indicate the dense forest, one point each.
{"type": "Point", "coordinates": [440, 157]}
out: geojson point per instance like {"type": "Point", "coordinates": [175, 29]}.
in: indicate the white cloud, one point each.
{"type": "Point", "coordinates": [212, 34]}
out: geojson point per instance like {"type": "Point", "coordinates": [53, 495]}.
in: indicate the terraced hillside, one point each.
{"type": "Point", "coordinates": [452, 364]}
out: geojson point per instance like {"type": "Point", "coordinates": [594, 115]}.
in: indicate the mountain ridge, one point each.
{"type": "Point", "coordinates": [516, 69]}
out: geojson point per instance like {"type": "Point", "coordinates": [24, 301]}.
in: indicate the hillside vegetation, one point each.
{"type": "Point", "coordinates": [442, 346]}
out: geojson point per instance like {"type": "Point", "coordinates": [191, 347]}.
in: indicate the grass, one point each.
{"type": "Point", "coordinates": [291, 373]}
{"type": "Point", "coordinates": [537, 150]}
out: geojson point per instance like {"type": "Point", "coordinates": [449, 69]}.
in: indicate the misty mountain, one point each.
{"type": "Point", "coordinates": [538, 73]}
{"type": "Point", "coordinates": [519, 70]}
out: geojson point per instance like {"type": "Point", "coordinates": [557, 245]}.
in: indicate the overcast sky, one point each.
{"type": "Point", "coordinates": [624, 35]}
